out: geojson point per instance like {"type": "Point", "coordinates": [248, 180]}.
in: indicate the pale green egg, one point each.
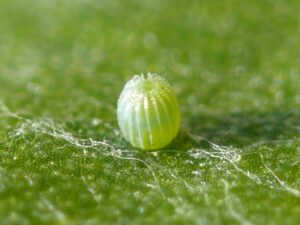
{"type": "Point", "coordinates": [148, 112]}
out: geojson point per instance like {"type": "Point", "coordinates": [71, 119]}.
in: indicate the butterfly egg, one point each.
{"type": "Point", "coordinates": [148, 112]}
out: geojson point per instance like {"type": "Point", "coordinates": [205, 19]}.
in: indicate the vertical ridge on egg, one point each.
{"type": "Point", "coordinates": [148, 112]}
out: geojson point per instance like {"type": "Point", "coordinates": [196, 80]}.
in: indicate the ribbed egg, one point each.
{"type": "Point", "coordinates": [148, 112]}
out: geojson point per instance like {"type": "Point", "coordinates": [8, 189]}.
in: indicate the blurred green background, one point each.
{"type": "Point", "coordinates": [235, 67]}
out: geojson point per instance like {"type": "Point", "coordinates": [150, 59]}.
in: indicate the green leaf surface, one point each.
{"type": "Point", "coordinates": [234, 66]}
